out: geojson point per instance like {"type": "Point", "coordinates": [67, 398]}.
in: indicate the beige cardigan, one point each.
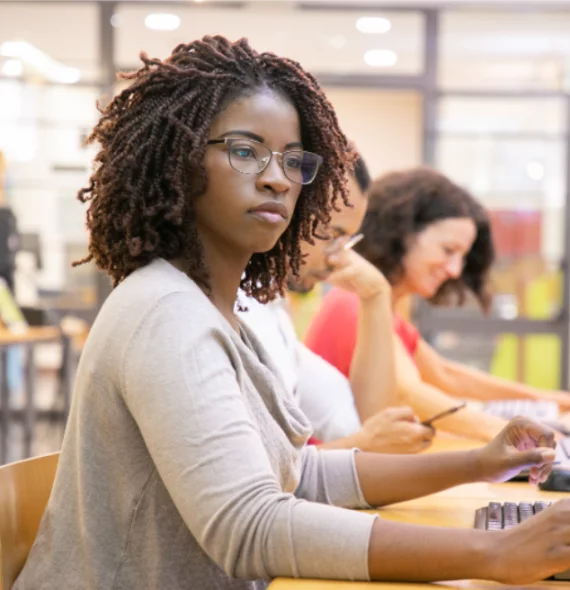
{"type": "Point", "coordinates": [183, 465]}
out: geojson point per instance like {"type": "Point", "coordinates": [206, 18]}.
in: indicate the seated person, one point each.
{"type": "Point", "coordinates": [184, 463]}
{"type": "Point", "coordinates": [323, 393]}
{"type": "Point", "coordinates": [430, 238]}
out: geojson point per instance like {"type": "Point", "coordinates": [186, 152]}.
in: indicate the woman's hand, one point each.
{"type": "Point", "coordinates": [394, 430]}
{"type": "Point", "coordinates": [535, 549]}
{"type": "Point", "coordinates": [522, 444]}
{"type": "Point", "coordinates": [352, 272]}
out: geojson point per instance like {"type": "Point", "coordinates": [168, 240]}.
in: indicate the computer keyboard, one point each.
{"type": "Point", "coordinates": [497, 516]}
{"type": "Point", "coordinates": [542, 411]}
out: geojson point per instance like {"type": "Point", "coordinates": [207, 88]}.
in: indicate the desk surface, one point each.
{"type": "Point", "coordinates": [31, 335]}
{"type": "Point", "coordinates": [453, 508]}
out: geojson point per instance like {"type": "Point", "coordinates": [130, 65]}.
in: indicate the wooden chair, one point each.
{"type": "Point", "coordinates": [25, 487]}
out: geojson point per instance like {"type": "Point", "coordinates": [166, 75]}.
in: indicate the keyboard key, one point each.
{"type": "Point", "coordinates": [494, 516]}
{"type": "Point", "coordinates": [526, 510]}
{"type": "Point", "coordinates": [481, 518]}
{"type": "Point", "coordinates": [540, 506]}
{"type": "Point", "coordinates": [510, 515]}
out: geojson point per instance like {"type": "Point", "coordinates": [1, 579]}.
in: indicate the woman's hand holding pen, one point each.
{"type": "Point", "coordinates": [352, 272]}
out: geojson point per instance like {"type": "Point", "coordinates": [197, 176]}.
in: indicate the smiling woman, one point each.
{"type": "Point", "coordinates": [431, 239]}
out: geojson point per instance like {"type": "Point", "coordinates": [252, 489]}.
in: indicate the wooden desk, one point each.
{"type": "Point", "coordinates": [447, 442]}
{"type": "Point", "coordinates": [454, 508]}
{"type": "Point", "coordinates": [29, 339]}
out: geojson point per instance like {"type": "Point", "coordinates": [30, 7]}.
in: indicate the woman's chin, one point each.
{"type": "Point", "coordinates": [264, 246]}
{"type": "Point", "coordinates": [427, 291]}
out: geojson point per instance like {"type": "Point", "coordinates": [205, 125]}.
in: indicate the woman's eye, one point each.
{"type": "Point", "coordinates": [294, 162]}
{"type": "Point", "coordinates": [243, 152]}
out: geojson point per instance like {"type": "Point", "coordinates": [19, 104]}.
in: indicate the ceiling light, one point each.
{"type": "Point", "coordinates": [49, 67]}
{"type": "Point", "coordinates": [162, 21]}
{"type": "Point", "coordinates": [116, 20]}
{"type": "Point", "coordinates": [12, 67]}
{"type": "Point", "coordinates": [380, 58]}
{"type": "Point", "coordinates": [373, 24]}
{"type": "Point", "coordinates": [535, 170]}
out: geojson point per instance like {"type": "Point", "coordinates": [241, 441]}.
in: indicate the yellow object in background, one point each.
{"type": "Point", "coordinates": [535, 359]}
{"type": "Point", "coordinates": [303, 306]}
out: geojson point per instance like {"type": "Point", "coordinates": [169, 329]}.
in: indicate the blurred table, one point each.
{"type": "Point", "coordinates": [28, 338]}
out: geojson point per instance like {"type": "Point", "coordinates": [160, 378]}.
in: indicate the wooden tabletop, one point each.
{"type": "Point", "coordinates": [34, 334]}
{"type": "Point", "coordinates": [453, 508]}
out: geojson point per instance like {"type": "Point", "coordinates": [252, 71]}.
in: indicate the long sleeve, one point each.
{"type": "Point", "coordinates": [180, 385]}
{"type": "Point", "coordinates": [330, 477]}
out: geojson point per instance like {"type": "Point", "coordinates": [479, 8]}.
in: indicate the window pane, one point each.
{"type": "Point", "coordinates": [504, 50]}
{"type": "Point", "coordinates": [517, 170]}
{"type": "Point", "coordinates": [42, 133]}
{"type": "Point", "coordinates": [479, 116]}
{"type": "Point", "coordinates": [66, 32]}
{"type": "Point", "coordinates": [324, 41]}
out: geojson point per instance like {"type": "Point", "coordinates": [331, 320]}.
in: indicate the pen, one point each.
{"type": "Point", "coordinates": [353, 241]}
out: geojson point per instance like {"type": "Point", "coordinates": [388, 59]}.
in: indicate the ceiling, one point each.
{"type": "Point", "coordinates": [479, 48]}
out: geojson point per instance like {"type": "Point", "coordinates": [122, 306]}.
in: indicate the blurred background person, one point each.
{"type": "Point", "coordinates": [431, 239]}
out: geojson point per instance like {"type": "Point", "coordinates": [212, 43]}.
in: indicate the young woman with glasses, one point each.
{"type": "Point", "coordinates": [184, 462]}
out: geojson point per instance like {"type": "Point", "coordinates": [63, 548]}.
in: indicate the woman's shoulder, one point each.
{"type": "Point", "coordinates": [159, 292]}
{"type": "Point", "coordinates": [158, 280]}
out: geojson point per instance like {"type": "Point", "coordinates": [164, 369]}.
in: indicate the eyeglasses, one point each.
{"type": "Point", "coordinates": [252, 157]}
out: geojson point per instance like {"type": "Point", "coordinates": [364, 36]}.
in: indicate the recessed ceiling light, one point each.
{"type": "Point", "coordinates": [12, 67]}
{"type": "Point", "coordinates": [380, 58]}
{"type": "Point", "coordinates": [162, 21]}
{"type": "Point", "coordinates": [373, 24]}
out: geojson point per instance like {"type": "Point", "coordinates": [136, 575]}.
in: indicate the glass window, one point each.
{"type": "Point", "coordinates": [511, 155]}
{"type": "Point", "coordinates": [324, 41]}
{"type": "Point", "coordinates": [66, 33]}
{"type": "Point", "coordinates": [514, 50]}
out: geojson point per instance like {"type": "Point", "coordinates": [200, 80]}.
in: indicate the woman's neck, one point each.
{"type": "Point", "coordinates": [225, 270]}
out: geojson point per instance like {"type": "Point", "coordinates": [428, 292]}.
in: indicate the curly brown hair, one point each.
{"type": "Point", "coordinates": [402, 204]}
{"type": "Point", "coordinates": [149, 170]}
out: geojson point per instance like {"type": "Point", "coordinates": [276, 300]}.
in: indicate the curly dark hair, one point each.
{"type": "Point", "coordinates": [402, 204]}
{"type": "Point", "coordinates": [149, 170]}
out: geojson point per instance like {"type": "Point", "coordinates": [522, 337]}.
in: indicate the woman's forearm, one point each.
{"type": "Point", "coordinates": [476, 384]}
{"type": "Point", "coordinates": [386, 479]}
{"type": "Point", "coordinates": [411, 553]}
{"type": "Point", "coordinates": [372, 370]}
{"type": "Point", "coordinates": [427, 401]}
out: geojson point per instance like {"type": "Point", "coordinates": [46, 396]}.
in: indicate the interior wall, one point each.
{"type": "Point", "coordinates": [386, 126]}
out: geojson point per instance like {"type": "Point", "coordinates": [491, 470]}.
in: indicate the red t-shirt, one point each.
{"type": "Point", "coordinates": [333, 330]}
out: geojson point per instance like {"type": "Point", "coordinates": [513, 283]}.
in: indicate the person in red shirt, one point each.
{"type": "Point", "coordinates": [430, 238]}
